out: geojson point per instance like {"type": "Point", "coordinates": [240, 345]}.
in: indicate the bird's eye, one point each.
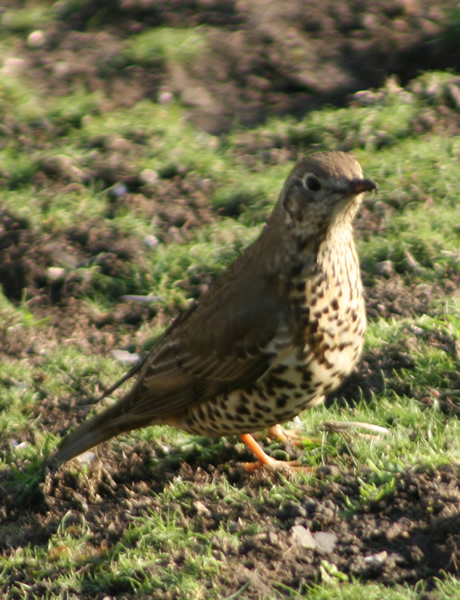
{"type": "Point", "coordinates": [312, 183]}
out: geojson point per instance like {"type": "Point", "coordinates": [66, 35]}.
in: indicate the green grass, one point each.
{"type": "Point", "coordinates": [163, 44]}
{"type": "Point", "coordinates": [29, 17]}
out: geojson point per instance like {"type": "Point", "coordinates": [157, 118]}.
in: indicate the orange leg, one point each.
{"type": "Point", "coordinates": [276, 432]}
{"type": "Point", "coordinates": [263, 459]}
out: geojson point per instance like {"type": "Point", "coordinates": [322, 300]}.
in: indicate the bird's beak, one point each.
{"type": "Point", "coordinates": [357, 186]}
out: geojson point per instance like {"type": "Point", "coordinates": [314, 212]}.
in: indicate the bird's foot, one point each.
{"type": "Point", "coordinates": [263, 460]}
{"type": "Point", "coordinates": [276, 432]}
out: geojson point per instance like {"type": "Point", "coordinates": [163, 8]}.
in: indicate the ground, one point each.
{"type": "Point", "coordinates": [257, 61]}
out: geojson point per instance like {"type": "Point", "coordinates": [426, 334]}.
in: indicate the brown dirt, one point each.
{"type": "Point", "coordinates": [412, 534]}
{"type": "Point", "coordinates": [333, 49]}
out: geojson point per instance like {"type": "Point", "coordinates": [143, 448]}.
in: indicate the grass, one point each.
{"type": "Point", "coordinates": [153, 47]}
{"type": "Point", "coordinates": [166, 544]}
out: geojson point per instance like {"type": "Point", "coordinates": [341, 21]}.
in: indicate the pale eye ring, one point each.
{"type": "Point", "coordinates": [311, 182]}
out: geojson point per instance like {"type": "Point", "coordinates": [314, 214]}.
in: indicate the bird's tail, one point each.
{"type": "Point", "coordinates": [103, 426]}
{"type": "Point", "coordinates": [100, 428]}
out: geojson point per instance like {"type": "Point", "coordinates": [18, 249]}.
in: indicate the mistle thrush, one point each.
{"type": "Point", "coordinates": [281, 328]}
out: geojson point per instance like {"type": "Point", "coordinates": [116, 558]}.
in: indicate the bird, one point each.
{"type": "Point", "coordinates": [281, 328]}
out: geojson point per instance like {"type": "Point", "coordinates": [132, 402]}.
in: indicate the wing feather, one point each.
{"type": "Point", "coordinates": [211, 353]}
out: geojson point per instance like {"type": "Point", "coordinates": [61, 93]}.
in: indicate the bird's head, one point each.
{"type": "Point", "coordinates": [322, 191]}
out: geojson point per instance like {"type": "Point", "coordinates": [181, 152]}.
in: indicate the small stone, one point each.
{"type": "Point", "coordinates": [36, 39]}
{"type": "Point", "coordinates": [377, 560]}
{"type": "Point", "coordinates": [165, 97]}
{"type": "Point", "coordinates": [20, 446]}
{"type": "Point", "coordinates": [325, 542]}
{"type": "Point", "coordinates": [149, 176]}
{"type": "Point", "coordinates": [55, 274]}
{"type": "Point", "coordinates": [87, 457]}
{"type": "Point", "coordinates": [61, 69]}
{"type": "Point", "coordinates": [149, 299]}
{"type": "Point", "coordinates": [125, 357]}
{"type": "Point", "coordinates": [304, 537]}
{"type": "Point", "coordinates": [12, 67]}
{"type": "Point", "coordinates": [201, 508]}
{"type": "Point", "coordinates": [117, 191]}
{"type": "Point", "coordinates": [151, 241]}
{"type": "Point", "coordinates": [385, 268]}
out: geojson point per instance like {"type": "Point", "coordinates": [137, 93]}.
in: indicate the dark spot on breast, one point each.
{"type": "Point", "coordinates": [281, 402]}
{"type": "Point", "coordinates": [335, 304]}
{"type": "Point", "coordinates": [306, 375]}
{"type": "Point", "coordinates": [242, 409]}
{"type": "Point", "coordinates": [343, 345]}
{"type": "Point", "coordinates": [318, 338]}
{"type": "Point", "coordinates": [280, 383]}
{"type": "Point", "coordinates": [259, 406]}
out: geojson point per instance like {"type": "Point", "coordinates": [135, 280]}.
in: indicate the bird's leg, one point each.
{"type": "Point", "coordinates": [276, 432]}
{"type": "Point", "coordinates": [263, 460]}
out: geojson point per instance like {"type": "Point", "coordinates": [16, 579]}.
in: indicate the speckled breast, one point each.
{"type": "Point", "coordinates": [308, 363]}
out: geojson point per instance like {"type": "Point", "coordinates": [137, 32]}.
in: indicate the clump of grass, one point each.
{"type": "Point", "coordinates": [163, 45]}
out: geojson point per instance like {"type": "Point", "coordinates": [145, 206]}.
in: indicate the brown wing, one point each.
{"type": "Point", "coordinates": [213, 349]}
